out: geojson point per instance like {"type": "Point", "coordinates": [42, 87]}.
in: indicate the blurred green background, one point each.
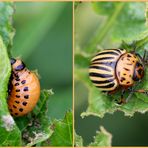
{"type": "Point", "coordinates": [43, 40]}
{"type": "Point", "coordinates": [126, 131]}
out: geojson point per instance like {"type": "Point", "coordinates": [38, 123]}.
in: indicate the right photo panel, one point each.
{"type": "Point", "coordinates": [111, 73]}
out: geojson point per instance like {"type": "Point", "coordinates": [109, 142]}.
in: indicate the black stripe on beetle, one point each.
{"type": "Point", "coordinates": [92, 74]}
{"type": "Point", "coordinates": [102, 82]}
{"type": "Point", "coordinates": [107, 52]}
{"type": "Point", "coordinates": [103, 58]}
{"type": "Point", "coordinates": [101, 68]}
{"type": "Point", "coordinates": [110, 64]}
{"type": "Point", "coordinates": [118, 50]}
{"type": "Point", "coordinates": [107, 86]}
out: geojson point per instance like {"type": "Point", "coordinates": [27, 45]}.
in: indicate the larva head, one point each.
{"type": "Point", "coordinates": [17, 65]}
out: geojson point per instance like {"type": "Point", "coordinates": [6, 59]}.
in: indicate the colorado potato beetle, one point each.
{"type": "Point", "coordinates": [24, 89]}
{"type": "Point", "coordinates": [112, 69]}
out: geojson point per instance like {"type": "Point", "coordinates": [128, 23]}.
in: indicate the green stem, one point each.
{"type": "Point", "coordinates": [142, 42]}
{"type": "Point", "coordinates": [101, 34]}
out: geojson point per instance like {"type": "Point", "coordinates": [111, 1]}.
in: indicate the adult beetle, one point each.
{"type": "Point", "coordinates": [114, 69]}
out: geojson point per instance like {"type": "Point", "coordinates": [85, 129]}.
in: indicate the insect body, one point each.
{"type": "Point", "coordinates": [24, 89]}
{"type": "Point", "coordinates": [114, 68]}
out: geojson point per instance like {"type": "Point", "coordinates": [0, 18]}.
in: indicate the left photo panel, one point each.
{"type": "Point", "coordinates": [36, 74]}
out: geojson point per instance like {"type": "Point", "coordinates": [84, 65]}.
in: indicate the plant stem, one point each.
{"type": "Point", "coordinates": [105, 29]}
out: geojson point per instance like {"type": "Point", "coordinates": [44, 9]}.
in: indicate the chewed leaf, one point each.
{"type": "Point", "coordinates": [102, 138]}
{"type": "Point", "coordinates": [63, 133]}
{"type": "Point", "coordinates": [78, 140]}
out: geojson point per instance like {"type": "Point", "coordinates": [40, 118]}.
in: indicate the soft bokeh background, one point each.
{"type": "Point", "coordinates": [44, 41]}
{"type": "Point", "coordinates": [126, 131]}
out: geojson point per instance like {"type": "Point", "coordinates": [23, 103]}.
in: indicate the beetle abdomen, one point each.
{"type": "Point", "coordinates": [102, 69]}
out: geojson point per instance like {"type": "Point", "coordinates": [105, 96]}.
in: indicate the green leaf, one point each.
{"type": "Point", "coordinates": [10, 134]}
{"type": "Point", "coordinates": [121, 21]}
{"type": "Point", "coordinates": [78, 141]}
{"type": "Point", "coordinates": [35, 127]}
{"type": "Point", "coordinates": [6, 29]}
{"type": "Point", "coordinates": [102, 138]}
{"type": "Point", "coordinates": [63, 133]}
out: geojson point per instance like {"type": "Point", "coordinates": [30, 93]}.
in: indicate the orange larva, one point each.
{"type": "Point", "coordinates": [24, 89]}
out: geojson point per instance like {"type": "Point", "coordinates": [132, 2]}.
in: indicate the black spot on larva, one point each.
{"type": "Point", "coordinates": [24, 103]}
{"type": "Point", "coordinates": [16, 114]}
{"type": "Point", "coordinates": [14, 106]}
{"type": "Point", "coordinates": [17, 96]}
{"type": "Point", "coordinates": [20, 67]}
{"type": "Point", "coordinates": [17, 79]}
{"type": "Point", "coordinates": [21, 109]}
{"type": "Point", "coordinates": [10, 110]}
{"type": "Point", "coordinates": [23, 82]}
{"type": "Point", "coordinates": [129, 55]}
{"type": "Point", "coordinates": [12, 61]}
{"type": "Point", "coordinates": [16, 84]}
{"type": "Point", "coordinates": [17, 90]}
{"type": "Point", "coordinates": [25, 88]}
{"type": "Point", "coordinates": [17, 102]}
{"type": "Point", "coordinates": [16, 75]}
{"type": "Point", "coordinates": [26, 96]}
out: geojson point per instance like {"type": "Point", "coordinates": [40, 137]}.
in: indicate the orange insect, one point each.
{"type": "Point", "coordinates": [24, 89]}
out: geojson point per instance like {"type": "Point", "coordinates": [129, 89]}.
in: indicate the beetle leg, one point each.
{"type": "Point", "coordinates": [122, 99]}
{"type": "Point", "coordinates": [142, 91]}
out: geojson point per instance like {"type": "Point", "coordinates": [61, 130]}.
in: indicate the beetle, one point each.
{"type": "Point", "coordinates": [24, 89]}
{"type": "Point", "coordinates": [114, 69]}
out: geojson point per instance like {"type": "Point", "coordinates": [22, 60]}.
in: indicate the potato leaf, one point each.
{"type": "Point", "coordinates": [6, 29]}
{"type": "Point", "coordinates": [62, 133]}
{"type": "Point", "coordinates": [102, 138]}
